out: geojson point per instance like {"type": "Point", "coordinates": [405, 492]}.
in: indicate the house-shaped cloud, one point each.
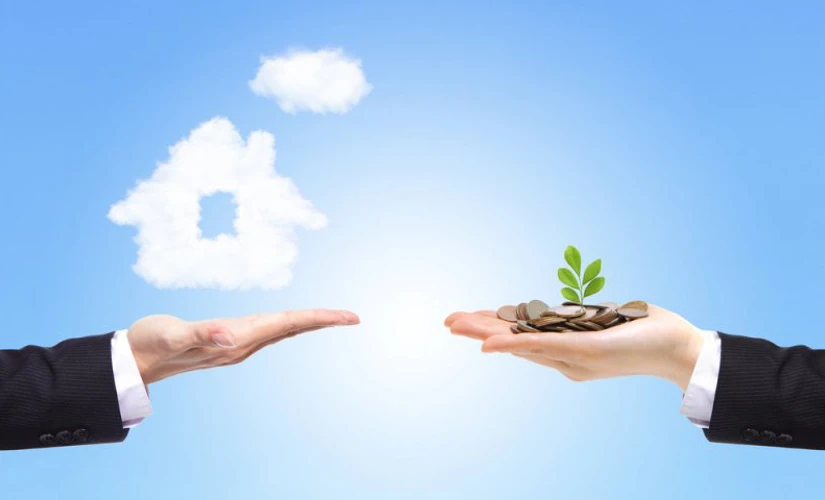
{"type": "Point", "coordinates": [166, 211]}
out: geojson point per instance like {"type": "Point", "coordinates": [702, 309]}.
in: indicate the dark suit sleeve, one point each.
{"type": "Point", "coordinates": [768, 395]}
{"type": "Point", "coordinates": [59, 396]}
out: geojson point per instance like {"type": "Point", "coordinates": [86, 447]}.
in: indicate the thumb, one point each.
{"type": "Point", "coordinates": [210, 334]}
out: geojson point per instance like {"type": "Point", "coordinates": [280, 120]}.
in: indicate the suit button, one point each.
{"type": "Point", "coordinates": [64, 437]}
{"type": "Point", "coordinates": [783, 439]}
{"type": "Point", "coordinates": [47, 439]}
{"type": "Point", "coordinates": [750, 434]}
{"type": "Point", "coordinates": [767, 437]}
{"type": "Point", "coordinates": [81, 435]}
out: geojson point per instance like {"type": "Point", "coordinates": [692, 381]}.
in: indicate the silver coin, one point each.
{"type": "Point", "coordinates": [507, 313]}
{"type": "Point", "coordinates": [618, 320]}
{"type": "Point", "coordinates": [571, 303]}
{"type": "Point", "coordinates": [525, 328]}
{"type": "Point", "coordinates": [568, 311]}
{"type": "Point", "coordinates": [605, 316]}
{"type": "Point", "coordinates": [555, 329]}
{"type": "Point", "coordinates": [521, 311]}
{"type": "Point", "coordinates": [548, 320]}
{"type": "Point", "coordinates": [590, 312]}
{"type": "Point", "coordinates": [635, 304]}
{"type": "Point", "coordinates": [535, 308]}
{"type": "Point", "coordinates": [631, 313]}
{"type": "Point", "coordinates": [573, 326]}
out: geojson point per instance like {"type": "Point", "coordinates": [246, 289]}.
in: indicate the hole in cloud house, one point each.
{"type": "Point", "coordinates": [217, 215]}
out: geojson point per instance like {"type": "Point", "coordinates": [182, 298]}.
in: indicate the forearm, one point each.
{"type": "Point", "coordinates": [59, 396]}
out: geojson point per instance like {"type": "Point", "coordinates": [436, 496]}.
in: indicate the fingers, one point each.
{"type": "Point", "coordinates": [282, 337]}
{"type": "Point", "coordinates": [289, 321]}
{"type": "Point", "coordinates": [290, 335]}
{"type": "Point", "coordinates": [479, 326]}
{"type": "Point", "coordinates": [261, 328]}
{"type": "Point", "coordinates": [453, 318]}
{"type": "Point", "coordinates": [268, 326]}
{"type": "Point", "coordinates": [553, 346]}
{"type": "Point", "coordinates": [305, 330]}
{"type": "Point", "coordinates": [458, 315]}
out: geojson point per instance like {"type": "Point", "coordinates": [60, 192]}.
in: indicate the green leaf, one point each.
{"type": "Point", "coordinates": [567, 277]}
{"type": "Point", "coordinates": [592, 270]}
{"type": "Point", "coordinates": [570, 294]}
{"type": "Point", "coordinates": [594, 287]}
{"type": "Point", "coordinates": [574, 258]}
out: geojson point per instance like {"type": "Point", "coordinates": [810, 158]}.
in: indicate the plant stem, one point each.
{"type": "Point", "coordinates": [581, 290]}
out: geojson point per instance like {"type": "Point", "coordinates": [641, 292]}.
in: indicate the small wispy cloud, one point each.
{"type": "Point", "coordinates": [166, 211]}
{"type": "Point", "coordinates": [321, 81]}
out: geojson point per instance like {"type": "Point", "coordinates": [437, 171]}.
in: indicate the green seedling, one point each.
{"type": "Point", "coordinates": [578, 286]}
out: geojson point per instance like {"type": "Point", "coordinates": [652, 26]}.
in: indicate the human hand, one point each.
{"type": "Point", "coordinates": [662, 345]}
{"type": "Point", "coordinates": [165, 345]}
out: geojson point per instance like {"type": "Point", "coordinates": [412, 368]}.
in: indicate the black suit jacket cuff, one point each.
{"type": "Point", "coordinates": [769, 396]}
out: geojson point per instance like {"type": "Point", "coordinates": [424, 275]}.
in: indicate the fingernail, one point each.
{"type": "Point", "coordinates": [223, 339]}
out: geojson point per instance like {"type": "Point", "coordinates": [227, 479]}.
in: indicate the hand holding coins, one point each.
{"type": "Point", "coordinates": [665, 345]}
{"type": "Point", "coordinates": [537, 316]}
{"type": "Point", "coordinates": [604, 341]}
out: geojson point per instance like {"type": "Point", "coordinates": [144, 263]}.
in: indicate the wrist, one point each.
{"type": "Point", "coordinates": [684, 354]}
{"type": "Point", "coordinates": [146, 363]}
{"type": "Point", "coordinates": [143, 368]}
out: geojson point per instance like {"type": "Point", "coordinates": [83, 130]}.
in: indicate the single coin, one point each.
{"type": "Point", "coordinates": [555, 329]}
{"type": "Point", "coordinates": [573, 326]}
{"type": "Point", "coordinates": [587, 325]}
{"type": "Point", "coordinates": [542, 326]}
{"type": "Point", "coordinates": [535, 308]}
{"type": "Point", "coordinates": [571, 303]}
{"type": "Point", "coordinates": [605, 316]}
{"type": "Point", "coordinates": [568, 311]}
{"type": "Point", "coordinates": [507, 313]}
{"type": "Point", "coordinates": [631, 313]}
{"type": "Point", "coordinates": [635, 304]}
{"type": "Point", "coordinates": [608, 304]}
{"type": "Point", "coordinates": [548, 320]}
{"type": "Point", "coordinates": [521, 311]}
{"type": "Point", "coordinates": [617, 321]}
{"type": "Point", "coordinates": [590, 312]}
{"type": "Point", "coordinates": [550, 312]}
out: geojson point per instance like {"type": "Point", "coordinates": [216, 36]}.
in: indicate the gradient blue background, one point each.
{"type": "Point", "coordinates": [682, 144]}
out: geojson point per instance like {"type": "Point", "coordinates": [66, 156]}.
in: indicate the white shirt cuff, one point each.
{"type": "Point", "coordinates": [132, 395]}
{"type": "Point", "coordinates": [697, 403]}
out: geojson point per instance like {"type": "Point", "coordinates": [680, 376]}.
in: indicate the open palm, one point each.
{"type": "Point", "coordinates": [165, 345]}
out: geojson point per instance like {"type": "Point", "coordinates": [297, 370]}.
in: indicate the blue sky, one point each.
{"type": "Point", "coordinates": [681, 144]}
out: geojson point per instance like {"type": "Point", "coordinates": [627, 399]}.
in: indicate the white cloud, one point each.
{"type": "Point", "coordinates": [322, 81]}
{"type": "Point", "coordinates": [166, 211]}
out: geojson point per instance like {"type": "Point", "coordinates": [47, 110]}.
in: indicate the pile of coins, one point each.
{"type": "Point", "coordinates": [536, 316]}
